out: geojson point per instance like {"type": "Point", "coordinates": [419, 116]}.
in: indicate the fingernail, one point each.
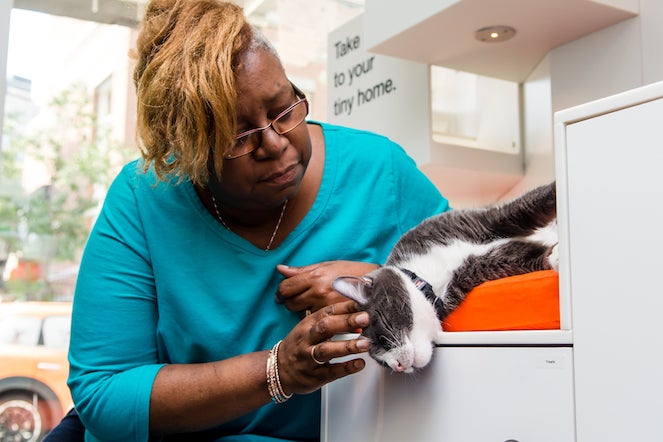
{"type": "Point", "coordinates": [363, 344]}
{"type": "Point", "coordinates": [362, 319]}
{"type": "Point", "coordinates": [359, 364]}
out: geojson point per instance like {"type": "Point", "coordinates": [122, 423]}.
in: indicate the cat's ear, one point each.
{"type": "Point", "coordinates": [353, 287]}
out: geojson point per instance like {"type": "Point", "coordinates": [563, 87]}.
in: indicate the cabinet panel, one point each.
{"type": "Point", "coordinates": [466, 394]}
{"type": "Point", "coordinates": [614, 165]}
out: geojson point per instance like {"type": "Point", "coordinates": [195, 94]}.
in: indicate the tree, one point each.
{"type": "Point", "coordinates": [51, 224]}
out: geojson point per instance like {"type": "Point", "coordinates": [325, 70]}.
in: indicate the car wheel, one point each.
{"type": "Point", "coordinates": [20, 419]}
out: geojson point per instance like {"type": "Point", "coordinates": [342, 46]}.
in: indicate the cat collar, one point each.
{"type": "Point", "coordinates": [427, 289]}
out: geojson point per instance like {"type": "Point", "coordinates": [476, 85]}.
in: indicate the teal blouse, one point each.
{"type": "Point", "coordinates": [161, 281]}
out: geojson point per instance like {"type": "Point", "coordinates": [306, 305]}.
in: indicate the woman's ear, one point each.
{"type": "Point", "coordinates": [353, 287]}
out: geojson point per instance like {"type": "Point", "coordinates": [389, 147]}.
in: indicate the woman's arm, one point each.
{"type": "Point", "coordinates": [198, 396]}
{"type": "Point", "coordinates": [123, 390]}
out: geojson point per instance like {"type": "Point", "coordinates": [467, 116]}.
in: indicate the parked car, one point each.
{"type": "Point", "coordinates": [34, 337]}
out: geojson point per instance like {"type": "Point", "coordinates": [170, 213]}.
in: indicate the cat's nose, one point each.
{"type": "Point", "coordinates": [399, 367]}
{"type": "Point", "coordinates": [404, 357]}
{"type": "Point", "coordinates": [402, 368]}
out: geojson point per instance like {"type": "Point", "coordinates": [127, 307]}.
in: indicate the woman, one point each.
{"type": "Point", "coordinates": [204, 305]}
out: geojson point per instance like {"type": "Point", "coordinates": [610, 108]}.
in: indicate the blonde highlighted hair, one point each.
{"type": "Point", "coordinates": [186, 59]}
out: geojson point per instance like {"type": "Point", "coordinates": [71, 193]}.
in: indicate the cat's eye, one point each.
{"type": "Point", "coordinates": [385, 342]}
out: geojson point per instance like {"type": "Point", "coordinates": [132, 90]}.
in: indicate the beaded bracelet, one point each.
{"type": "Point", "coordinates": [274, 386]}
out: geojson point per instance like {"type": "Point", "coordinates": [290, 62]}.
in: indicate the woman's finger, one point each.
{"type": "Point", "coordinates": [297, 281]}
{"type": "Point", "coordinates": [342, 317]}
{"type": "Point", "coordinates": [324, 352]}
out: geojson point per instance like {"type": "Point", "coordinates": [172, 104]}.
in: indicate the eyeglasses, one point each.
{"type": "Point", "coordinates": [248, 141]}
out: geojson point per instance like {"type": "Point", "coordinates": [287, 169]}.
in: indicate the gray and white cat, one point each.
{"type": "Point", "coordinates": [434, 265]}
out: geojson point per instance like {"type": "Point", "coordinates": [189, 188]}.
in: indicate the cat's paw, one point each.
{"type": "Point", "coordinates": [554, 257]}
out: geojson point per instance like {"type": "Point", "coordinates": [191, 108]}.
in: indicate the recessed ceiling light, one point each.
{"type": "Point", "coordinates": [495, 33]}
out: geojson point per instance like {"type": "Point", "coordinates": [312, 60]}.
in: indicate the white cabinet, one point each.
{"type": "Point", "coordinates": [610, 188]}
{"type": "Point", "coordinates": [506, 389]}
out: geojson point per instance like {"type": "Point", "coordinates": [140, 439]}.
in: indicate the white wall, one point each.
{"type": "Point", "coordinates": [616, 59]}
{"type": "Point", "coordinates": [613, 60]}
{"type": "Point", "coordinates": [601, 64]}
{"type": "Point", "coordinates": [651, 16]}
{"type": "Point", "coordinates": [537, 127]}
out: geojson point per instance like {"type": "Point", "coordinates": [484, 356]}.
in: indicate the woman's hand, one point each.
{"type": "Point", "coordinates": [306, 351]}
{"type": "Point", "coordinates": [310, 287]}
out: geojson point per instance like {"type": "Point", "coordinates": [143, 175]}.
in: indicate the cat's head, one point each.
{"type": "Point", "coordinates": [403, 324]}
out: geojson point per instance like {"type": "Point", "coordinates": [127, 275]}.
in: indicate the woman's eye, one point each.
{"type": "Point", "coordinates": [286, 115]}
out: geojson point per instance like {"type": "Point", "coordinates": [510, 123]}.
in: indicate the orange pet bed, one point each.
{"type": "Point", "coordinates": [523, 302]}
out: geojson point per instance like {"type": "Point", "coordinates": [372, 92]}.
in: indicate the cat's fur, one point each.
{"type": "Point", "coordinates": [447, 255]}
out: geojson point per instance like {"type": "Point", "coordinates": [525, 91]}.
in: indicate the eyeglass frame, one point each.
{"type": "Point", "coordinates": [301, 98]}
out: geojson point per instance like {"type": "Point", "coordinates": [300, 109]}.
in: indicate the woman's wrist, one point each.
{"type": "Point", "coordinates": [274, 387]}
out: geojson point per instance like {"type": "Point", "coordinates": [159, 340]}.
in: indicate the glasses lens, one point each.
{"type": "Point", "coordinates": [282, 124]}
{"type": "Point", "coordinates": [290, 119]}
{"type": "Point", "coordinates": [244, 145]}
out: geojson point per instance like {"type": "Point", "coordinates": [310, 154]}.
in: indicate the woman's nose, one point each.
{"type": "Point", "coordinates": [272, 144]}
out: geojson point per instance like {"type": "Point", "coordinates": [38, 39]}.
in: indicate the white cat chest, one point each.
{"type": "Point", "coordinates": [596, 379]}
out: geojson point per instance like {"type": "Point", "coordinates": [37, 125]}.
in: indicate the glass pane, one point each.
{"type": "Point", "coordinates": [56, 331]}
{"type": "Point", "coordinates": [475, 111]}
{"type": "Point", "coordinates": [65, 135]}
{"type": "Point", "coordinates": [20, 330]}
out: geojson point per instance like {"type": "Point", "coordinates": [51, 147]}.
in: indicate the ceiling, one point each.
{"type": "Point", "coordinates": [118, 12]}
{"type": "Point", "coordinates": [123, 12]}
{"type": "Point", "coordinates": [443, 33]}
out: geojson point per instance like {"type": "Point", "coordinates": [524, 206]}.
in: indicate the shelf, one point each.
{"type": "Point", "coordinates": [442, 32]}
{"type": "Point", "coordinates": [508, 337]}
{"type": "Point", "coordinates": [495, 338]}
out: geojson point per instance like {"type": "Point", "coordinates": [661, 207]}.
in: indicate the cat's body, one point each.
{"type": "Point", "coordinates": [433, 266]}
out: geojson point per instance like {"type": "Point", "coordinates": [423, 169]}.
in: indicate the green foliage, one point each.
{"type": "Point", "coordinates": [11, 197]}
{"type": "Point", "coordinates": [52, 223]}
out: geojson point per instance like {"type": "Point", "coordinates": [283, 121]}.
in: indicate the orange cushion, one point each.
{"type": "Point", "coordinates": [523, 302]}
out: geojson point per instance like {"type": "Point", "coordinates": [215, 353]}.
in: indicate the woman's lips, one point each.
{"type": "Point", "coordinates": [285, 177]}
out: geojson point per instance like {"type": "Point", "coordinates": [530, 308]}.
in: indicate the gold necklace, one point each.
{"type": "Point", "coordinates": [276, 229]}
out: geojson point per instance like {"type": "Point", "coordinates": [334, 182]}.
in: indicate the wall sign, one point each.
{"type": "Point", "coordinates": [378, 93]}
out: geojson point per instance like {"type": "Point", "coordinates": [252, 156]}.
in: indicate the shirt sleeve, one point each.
{"type": "Point", "coordinates": [417, 198]}
{"type": "Point", "coordinates": [113, 352]}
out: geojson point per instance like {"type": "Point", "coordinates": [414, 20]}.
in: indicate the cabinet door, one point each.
{"type": "Point", "coordinates": [468, 394]}
{"type": "Point", "coordinates": [614, 165]}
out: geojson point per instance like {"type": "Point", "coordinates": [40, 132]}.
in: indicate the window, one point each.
{"type": "Point", "coordinates": [475, 111]}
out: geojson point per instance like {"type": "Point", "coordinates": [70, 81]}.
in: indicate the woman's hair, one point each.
{"type": "Point", "coordinates": [187, 55]}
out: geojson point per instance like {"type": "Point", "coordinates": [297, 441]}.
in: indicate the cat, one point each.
{"type": "Point", "coordinates": [434, 265]}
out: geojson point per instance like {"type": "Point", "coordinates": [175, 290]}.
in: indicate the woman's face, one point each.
{"type": "Point", "coordinates": [274, 171]}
